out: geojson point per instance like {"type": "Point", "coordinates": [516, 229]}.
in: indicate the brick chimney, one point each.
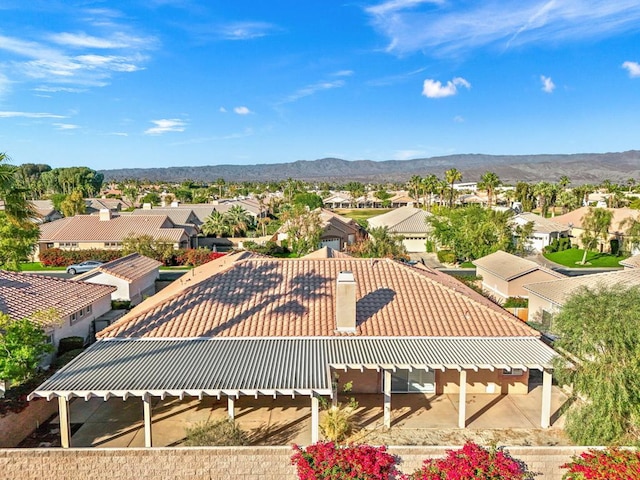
{"type": "Point", "coordinates": [346, 302]}
{"type": "Point", "coordinates": [105, 214]}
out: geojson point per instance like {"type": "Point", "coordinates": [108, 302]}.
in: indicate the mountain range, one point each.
{"type": "Point", "coordinates": [579, 168]}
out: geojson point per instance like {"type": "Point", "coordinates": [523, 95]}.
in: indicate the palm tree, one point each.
{"type": "Point", "coordinates": [429, 187]}
{"type": "Point", "coordinates": [238, 220]}
{"type": "Point", "coordinates": [489, 182]}
{"type": "Point", "coordinates": [452, 176]}
{"type": "Point", "coordinates": [356, 190]}
{"type": "Point", "coordinates": [215, 224]}
{"type": "Point", "coordinates": [415, 185]}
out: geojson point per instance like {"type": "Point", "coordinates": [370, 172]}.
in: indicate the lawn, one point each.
{"type": "Point", "coordinates": [37, 266]}
{"type": "Point", "coordinates": [361, 213]}
{"type": "Point", "coordinates": [569, 257]}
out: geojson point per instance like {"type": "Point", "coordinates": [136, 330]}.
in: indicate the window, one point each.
{"type": "Point", "coordinates": [68, 244]}
{"type": "Point", "coordinates": [514, 372]}
{"type": "Point", "coordinates": [74, 317]}
{"type": "Point", "coordinates": [88, 308]}
{"type": "Point", "coordinates": [112, 244]}
{"type": "Point", "coordinates": [405, 381]}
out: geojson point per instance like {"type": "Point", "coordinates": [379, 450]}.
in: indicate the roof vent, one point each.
{"type": "Point", "coordinates": [346, 302]}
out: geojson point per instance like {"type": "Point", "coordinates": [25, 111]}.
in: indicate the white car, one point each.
{"type": "Point", "coordinates": [83, 267]}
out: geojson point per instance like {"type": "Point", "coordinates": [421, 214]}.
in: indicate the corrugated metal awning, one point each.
{"type": "Point", "coordinates": [270, 366]}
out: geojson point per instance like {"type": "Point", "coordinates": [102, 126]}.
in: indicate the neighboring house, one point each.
{"type": "Point", "coordinates": [504, 275]}
{"type": "Point", "coordinates": [470, 186]}
{"type": "Point", "coordinates": [618, 229]}
{"type": "Point", "coordinates": [252, 326]}
{"type": "Point", "coordinates": [402, 199]}
{"type": "Point", "coordinates": [95, 205]}
{"type": "Point", "coordinates": [631, 262]}
{"type": "Point", "coordinates": [83, 232]}
{"type": "Point", "coordinates": [338, 200]}
{"type": "Point", "coordinates": [409, 222]}
{"type": "Point", "coordinates": [134, 277]}
{"type": "Point", "coordinates": [77, 304]}
{"type": "Point", "coordinates": [46, 211]}
{"type": "Point", "coordinates": [337, 231]}
{"type": "Point", "coordinates": [544, 231]}
{"type": "Point", "coordinates": [181, 217]}
{"type": "Point", "coordinates": [547, 298]}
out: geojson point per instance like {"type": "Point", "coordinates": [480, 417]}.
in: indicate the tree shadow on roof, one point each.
{"type": "Point", "coordinates": [372, 303]}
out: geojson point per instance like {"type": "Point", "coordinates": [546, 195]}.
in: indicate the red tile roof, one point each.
{"type": "Point", "coordinates": [260, 297]}
{"type": "Point", "coordinates": [129, 268]}
{"type": "Point", "coordinates": [23, 294]}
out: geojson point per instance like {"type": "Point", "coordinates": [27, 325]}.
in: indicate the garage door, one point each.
{"type": "Point", "coordinates": [335, 243]}
{"type": "Point", "coordinates": [414, 245]}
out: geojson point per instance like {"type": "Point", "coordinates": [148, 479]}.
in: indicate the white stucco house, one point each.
{"type": "Point", "coordinates": [134, 277]}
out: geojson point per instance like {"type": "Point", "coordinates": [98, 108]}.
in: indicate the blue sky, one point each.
{"type": "Point", "coordinates": [144, 83]}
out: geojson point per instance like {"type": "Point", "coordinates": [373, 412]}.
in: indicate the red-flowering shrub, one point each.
{"type": "Point", "coordinates": [473, 462]}
{"type": "Point", "coordinates": [195, 256]}
{"type": "Point", "coordinates": [328, 461]}
{"type": "Point", "coordinates": [609, 464]}
{"type": "Point", "coordinates": [56, 257]}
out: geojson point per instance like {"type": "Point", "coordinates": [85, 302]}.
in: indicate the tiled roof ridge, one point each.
{"type": "Point", "coordinates": [482, 302]}
{"type": "Point", "coordinates": [49, 277]}
{"type": "Point", "coordinates": [112, 266]}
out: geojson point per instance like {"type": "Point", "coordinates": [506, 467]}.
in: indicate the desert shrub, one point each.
{"type": "Point", "coordinates": [336, 424]}
{"type": "Point", "coordinates": [223, 432]}
{"type": "Point", "coordinates": [473, 462]}
{"type": "Point", "coordinates": [446, 256]}
{"type": "Point", "coordinates": [516, 302]}
{"type": "Point", "coordinates": [328, 461]}
{"type": "Point", "coordinates": [609, 464]}
{"type": "Point", "coordinates": [67, 344]}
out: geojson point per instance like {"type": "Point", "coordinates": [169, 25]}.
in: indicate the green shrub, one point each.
{"type": "Point", "coordinates": [120, 304]}
{"type": "Point", "coordinates": [446, 256]}
{"type": "Point", "coordinates": [225, 433]}
{"type": "Point", "coordinates": [70, 343]}
{"type": "Point", "coordinates": [614, 244]}
{"type": "Point", "coordinates": [516, 302]}
{"type": "Point", "coordinates": [564, 243]}
{"type": "Point", "coordinates": [62, 360]}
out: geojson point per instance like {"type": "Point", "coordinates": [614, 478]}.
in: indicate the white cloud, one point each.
{"type": "Point", "coordinates": [458, 119]}
{"type": "Point", "coordinates": [119, 134]}
{"type": "Point", "coordinates": [5, 85]}
{"type": "Point", "coordinates": [408, 154]}
{"type": "Point", "coordinates": [343, 73]}
{"type": "Point", "coordinates": [66, 126]}
{"type": "Point", "coordinates": [442, 28]}
{"type": "Point", "coordinates": [5, 114]}
{"type": "Point", "coordinates": [547, 84]}
{"type": "Point", "coordinates": [312, 89]}
{"type": "Point", "coordinates": [435, 89]}
{"type": "Point", "coordinates": [246, 30]}
{"type": "Point", "coordinates": [118, 40]}
{"type": "Point", "coordinates": [633, 68]}
{"type": "Point", "coordinates": [242, 110]}
{"type": "Point", "coordinates": [222, 110]}
{"type": "Point", "coordinates": [53, 89]}
{"type": "Point", "coordinates": [165, 125]}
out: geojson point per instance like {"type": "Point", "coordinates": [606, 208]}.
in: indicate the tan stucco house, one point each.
{"type": "Point", "coordinates": [504, 275]}
{"type": "Point", "coordinates": [76, 304]}
{"type": "Point", "coordinates": [409, 222]}
{"type": "Point", "coordinates": [246, 325]}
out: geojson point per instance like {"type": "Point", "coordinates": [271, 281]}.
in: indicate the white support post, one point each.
{"type": "Point", "coordinates": [146, 408]}
{"type": "Point", "coordinates": [231, 402]}
{"type": "Point", "coordinates": [65, 422]}
{"type": "Point", "coordinates": [386, 388]}
{"type": "Point", "coordinates": [545, 418]}
{"type": "Point", "coordinates": [315, 419]}
{"type": "Point", "coordinates": [462, 402]}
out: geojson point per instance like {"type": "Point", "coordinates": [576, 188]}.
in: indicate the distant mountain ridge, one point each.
{"type": "Point", "coordinates": [579, 167]}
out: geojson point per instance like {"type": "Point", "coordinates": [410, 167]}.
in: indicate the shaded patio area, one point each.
{"type": "Point", "coordinates": [416, 419]}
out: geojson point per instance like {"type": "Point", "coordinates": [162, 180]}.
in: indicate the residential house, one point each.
{"type": "Point", "coordinates": [631, 262]}
{"type": "Point", "coordinates": [409, 222]}
{"type": "Point", "coordinates": [115, 205]}
{"type": "Point", "coordinates": [46, 211]}
{"type": "Point", "coordinates": [83, 232]}
{"type": "Point", "coordinates": [618, 230]}
{"type": "Point", "coordinates": [547, 298]}
{"type": "Point", "coordinates": [544, 232]}
{"type": "Point", "coordinates": [134, 277]}
{"type": "Point", "coordinates": [184, 218]}
{"type": "Point", "coordinates": [504, 275]}
{"type": "Point", "coordinates": [402, 199]}
{"type": "Point", "coordinates": [251, 326]}
{"type": "Point", "coordinates": [338, 200]}
{"type": "Point", "coordinates": [77, 304]}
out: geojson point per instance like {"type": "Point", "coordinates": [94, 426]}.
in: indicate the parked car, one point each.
{"type": "Point", "coordinates": [83, 267]}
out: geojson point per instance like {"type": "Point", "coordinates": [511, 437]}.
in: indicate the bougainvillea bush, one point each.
{"type": "Point", "coordinates": [609, 464]}
{"type": "Point", "coordinates": [473, 462]}
{"type": "Point", "coordinates": [329, 461]}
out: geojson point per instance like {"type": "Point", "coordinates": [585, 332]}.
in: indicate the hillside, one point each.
{"type": "Point", "coordinates": [580, 168]}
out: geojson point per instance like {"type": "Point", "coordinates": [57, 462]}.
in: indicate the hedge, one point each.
{"type": "Point", "coordinates": [56, 257]}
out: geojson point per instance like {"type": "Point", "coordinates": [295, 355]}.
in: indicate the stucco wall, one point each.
{"type": "Point", "coordinates": [82, 327]}
{"type": "Point", "coordinates": [15, 427]}
{"type": "Point", "coordinates": [237, 463]}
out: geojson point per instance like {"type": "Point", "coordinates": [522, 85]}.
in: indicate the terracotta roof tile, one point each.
{"type": "Point", "coordinates": [129, 268]}
{"type": "Point", "coordinates": [23, 294]}
{"type": "Point", "coordinates": [507, 266]}
{"type": "Point", "coordinates": [259, 297]}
